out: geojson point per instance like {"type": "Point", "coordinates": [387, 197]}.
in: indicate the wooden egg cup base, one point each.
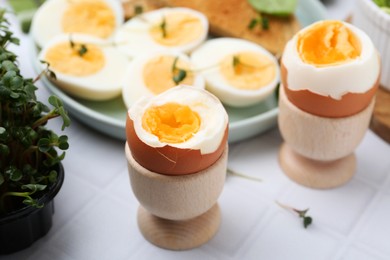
{"type": "Point", "coordinates": [313, 173]}
{"type": "Point", "coordinates": [318, 151]}
{"type": "Point", "coordinates": [178, 212]}
{"type": "Point", "coordinates": [179, 234]}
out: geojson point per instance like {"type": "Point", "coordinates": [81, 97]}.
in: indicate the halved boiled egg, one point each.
{"type": "Point", "coordinates": [151, 74]}
{"type": "Point", "coordinates": [331, 69]}
{"type": "Point", "coordinates": [180, 131]}
{"type": "Point", "coordinates": [85, 66]}
{"type": "Point", "coordinates": [240, 73]}
{"type": "Point", "coordinates": [178, 29]}
{"type": "Point", "coordinates": [99, 18]}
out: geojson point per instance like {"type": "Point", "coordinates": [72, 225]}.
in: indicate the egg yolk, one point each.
{"type": "Point", "coordinates": [248, 70]}
{"type": "Point", "coordinates": [328, 43]}
{"type": "Point", "coordinates": [68, 59]}
{"type": "Point", "coordinates": [171, 122]}
{"type": "Point", "coordinates": [177, 29]}
{"type": "Point", "coordinates": [158, 74]}
{"type": "Point", "coordinates": [92, 17]}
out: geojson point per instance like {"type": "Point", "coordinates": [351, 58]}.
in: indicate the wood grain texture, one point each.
{"type": "Point", "coordinates": [318, 151]}
{"type": "Point", "coordinates": [316, 174]}
{"type": "Point", "coordinates": [321, 138]}
{"type": "Point", "coordinates": [230, 18]}
{"type": "Point", "coordinates": [380, 122]}
{"type": "Point", "coordinates": [177, 197]}
{"type": "Point", "coordinates": [179, 235]}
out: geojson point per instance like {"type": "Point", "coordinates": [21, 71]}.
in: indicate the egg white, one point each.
{"type": "Point", "coordinates": [134, 86]}
{"type": "Point", "coordinates": [133, 38]}
{"type": "Point", "coordinates": [212, 52]}
{"type": "Point", "coordinates": [46, 22]}
{"type": "Point", "coordinates": [356, 76]}
{"type": "Point", "coordinates": [102, 85]}
{"type": "Point", "coordinates": [214, 118]}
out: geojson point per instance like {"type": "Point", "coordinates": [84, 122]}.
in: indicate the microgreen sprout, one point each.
{"type": "Point", "coordinates": [29, 155]}
{"type": "Point", "coordinates": [307, 220]}
{"type": "Point", "coordinates": [178, 74]}
{"type": "Point", "coordinates": [260, 20]}
{"type": "Point", "coordinates": [138, 9]}
{"type": "Point", "coordinates": [82, 50]}
{"type": "Point", "coordinates": [46, 71]}
{"type": "Point", "coordinates": [163, 27]}
{"type": "Point", "coordinates": [235, 173]}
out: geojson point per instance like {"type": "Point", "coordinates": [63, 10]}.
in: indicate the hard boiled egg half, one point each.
{"type": "Point", "coordinates": [178, 29]}
{"type": "Point", "coordinates": [330, 69]}
{"type": "Point", "coordinates": [180, 131]}
{"type": "Point", "coordinates": [151, 74]}
{"type": "Point", "coordinates": [85, 66]}
{"type": "Point", "coordinates": [240, 73]}
{"type": "Point", "coordinates": [99, 18]}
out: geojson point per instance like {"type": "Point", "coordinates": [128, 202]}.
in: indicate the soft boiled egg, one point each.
{"type": "Point", "coordinates": [99, 18]}
{"type": "Point", "coordinates": [151, 74]}
{"type": "Point", "coordinates": [178, 29]}
{"type": "Point", "coordinates": [240, 73]}
{"type": "Point", "coordinates": [330, 69]}
{"type": "Point", "coordinates": [85, 66]}
{"type": "Point", "coordinates": [180, 131]}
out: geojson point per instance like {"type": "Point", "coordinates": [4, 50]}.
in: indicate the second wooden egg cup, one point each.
{"type": "Point", "coordinates": [318, 151]}
{"type": "Point", "coordinates": [178, 212]}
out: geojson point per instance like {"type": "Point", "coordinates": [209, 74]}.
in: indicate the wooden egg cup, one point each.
{"type": "Point", "coordinates": [178, 212]}
{"type": "Point", "coordinates": [318, 151]}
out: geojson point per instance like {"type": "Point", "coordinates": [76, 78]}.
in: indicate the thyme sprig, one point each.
{"type": "Point", "coordinates": [307, 220]}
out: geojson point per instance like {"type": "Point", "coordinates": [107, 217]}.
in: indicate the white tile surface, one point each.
{"type": "Point", "coordinates": [96, 210]}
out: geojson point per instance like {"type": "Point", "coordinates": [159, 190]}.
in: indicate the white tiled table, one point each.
{"type": "Point", "coordinates": [95, 214]}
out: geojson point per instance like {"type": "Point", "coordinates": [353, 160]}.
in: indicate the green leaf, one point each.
{"type": "Point", "coordinates": [44, 145]}
{"type": "Point", "coordinates": [34, 187]}
{"type": "Point", "coordinates": [13, 173]}
{"type": "Point", "coordinates": [180, 76]}
{"type": "Point", "coordinates": [53, 176]}
{"type": "Point", "coordinates": [274, 7]}
{"type": "Point", "coordinates": [4, 150]}
{"type": "Point", "coordinates": [1, 179]}
{"type": "Point", "coordinates": [252, 24]}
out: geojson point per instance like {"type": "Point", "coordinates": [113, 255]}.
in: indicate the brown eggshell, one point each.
{"type": "Point", "coordinates": [170, 160]}
{"type": "Point", "coordinates": [349, 104]}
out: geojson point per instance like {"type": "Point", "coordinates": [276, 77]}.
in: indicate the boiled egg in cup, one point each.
{"type": "Point", "coordinates": [99, 18]}
{"type": "Point", "coordinates": [180, 131]}
{"type": "Point", "coordinates": [330, 69]}
{"type": "Point", "coordinates": [240, 73]}
{"type": "Point", "coordinates": [85, 66]}
{"type": "Point", "coordinates": [151, 74]}
{"type": "Point", "coordinates": [178, 29]}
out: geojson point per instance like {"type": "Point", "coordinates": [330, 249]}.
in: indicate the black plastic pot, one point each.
{"type": "Point", "coordinates": [21, 228]}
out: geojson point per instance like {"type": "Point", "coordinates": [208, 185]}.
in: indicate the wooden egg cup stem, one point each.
{"type": "Point", "coordinates": [318, 151]}
{"type": "Point", "coordinates": [178, 212]}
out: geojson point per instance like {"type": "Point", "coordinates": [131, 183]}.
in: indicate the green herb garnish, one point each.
{"type": "Point", "coordinates": [259, 20]}
{"type": "Point", "coordinates": [307, 220]}
{"type": "Point", "coordinates": [82, 50]}
{"type": "Point", "coordinates": [178, 74]}
{"type": "Point", "coordinates": [138, 9]}
{"type": "Point", "coordinates": [163, 27]}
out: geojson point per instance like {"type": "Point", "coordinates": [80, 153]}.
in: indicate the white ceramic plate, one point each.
{"type": "Point", "coordinates": [109, 117]}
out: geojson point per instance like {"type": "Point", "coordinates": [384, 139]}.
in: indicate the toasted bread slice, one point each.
{"type": "Point", "coordinates": [230, 18]}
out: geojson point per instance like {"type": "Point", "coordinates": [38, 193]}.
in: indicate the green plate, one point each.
{"type": "Point", "coordinates": [109, 117]}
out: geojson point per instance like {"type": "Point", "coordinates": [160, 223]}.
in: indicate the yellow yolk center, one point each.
{"type": "Point", "coordinates": [89, 16]}
{"type": "Point", "coordinates": [328, 43]}
{"type": "Point", "coordinates": [67, 59]}
{"type": "Point", "coordinates": [180, 28]}
{"type": "Point", "coordinates": [158, 74]}
{"type": "Point", "coordinates": [171, 122]}
{"type": "Point", "coordinates": [248, 70]}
